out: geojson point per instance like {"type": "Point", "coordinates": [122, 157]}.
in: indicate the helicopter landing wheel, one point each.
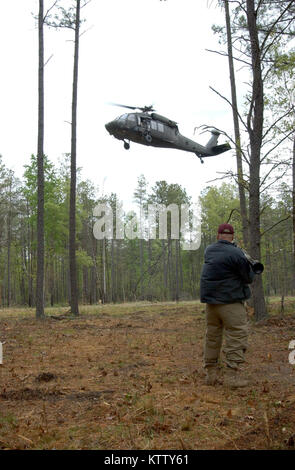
{"type": "Point", "coordinates": [148, 138]}
{"type": "Point", "coordinates": [126, 146]}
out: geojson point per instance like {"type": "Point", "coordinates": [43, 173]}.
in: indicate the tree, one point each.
{"type": "Point", "coordinates": [40, 183]}
{"type": "Point", "coordinates": [140, 197]}
{"type": "Point", "coordinates": [255, 132]}
{"type": "Point", "coordinates": [261, 31]}
{"type": "Point", "coordinates": [281, 99]}
{"type": "Point", "coordinates": [71, 19]}
{"type": "Point", "coordinates": [9, 224]}
{"type": "Point", "coordinates": [260, 46]}
{"type": "Point", "coordinates": [72, 214]}
{"type": "Point", "coordinates": [240, 178]}
{"type": "Point", "coordinates": [166, 194]}
{"type": "Point", "coordinates": [293, 199]}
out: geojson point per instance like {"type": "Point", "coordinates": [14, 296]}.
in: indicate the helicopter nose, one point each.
{"type": "Point", "coordinates": [110, 127]}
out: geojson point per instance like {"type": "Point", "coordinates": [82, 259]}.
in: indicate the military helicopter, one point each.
{"type": "Point", "coordinates": [148, 128]}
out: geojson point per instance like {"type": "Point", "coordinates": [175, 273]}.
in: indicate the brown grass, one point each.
{"type": "Point", "coordinates": [130, 377]}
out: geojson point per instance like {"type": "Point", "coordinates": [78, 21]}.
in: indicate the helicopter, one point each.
{"type": "Point", "coordinates": [149, 128]}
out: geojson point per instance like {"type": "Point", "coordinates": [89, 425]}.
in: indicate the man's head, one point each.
{"type": "Point", "coordinates": [225, 232]}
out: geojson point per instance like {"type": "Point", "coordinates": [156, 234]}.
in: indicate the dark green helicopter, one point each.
{"type": "Point", "coordinates": [148, 128]}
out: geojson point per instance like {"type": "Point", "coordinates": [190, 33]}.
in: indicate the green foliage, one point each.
{"type": "Point", "coordinates": [54, 197]}
{"type": "Point", "coordinates": [218, 204]}
{"type": "Point", "coordinates": [83, 259]}
{"type": "Point", "coordinates": [126, 270]}
{"type": "Point", "coordinates": [61, 17]}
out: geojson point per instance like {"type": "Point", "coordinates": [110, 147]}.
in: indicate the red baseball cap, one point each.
{"type": "Point", "coordinates": [226, 228]}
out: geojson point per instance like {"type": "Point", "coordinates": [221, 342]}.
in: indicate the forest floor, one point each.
{"type": "Point", "coordinates": [130, 376]}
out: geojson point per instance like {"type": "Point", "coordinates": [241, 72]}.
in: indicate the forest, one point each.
{"type": "Point", "coordinates": [49, 255]}
{"type": "Point", "coordinates": [130, 269]}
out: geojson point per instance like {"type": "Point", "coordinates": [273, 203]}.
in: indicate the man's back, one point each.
{"type": "Point", "coordinates": [226, 274]}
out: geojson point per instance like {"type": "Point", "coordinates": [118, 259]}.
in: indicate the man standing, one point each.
{"type": "Point", "coordinates": [224, 287]}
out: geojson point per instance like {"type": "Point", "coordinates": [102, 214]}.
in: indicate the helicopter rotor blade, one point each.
{"type": "Point", "coordinates": [144, 109]}
{"type": "Point", "coordinates": [124, 106]}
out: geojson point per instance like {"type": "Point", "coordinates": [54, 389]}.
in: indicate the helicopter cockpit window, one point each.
{"type": "Point", "coordinates": [123, 117]}
{"type": "Point", "coordinates": [160, 127]}
{"type": "Point", "coordinates": [154, 125]}
{"type": "Point", "coordinates": [131, 117]}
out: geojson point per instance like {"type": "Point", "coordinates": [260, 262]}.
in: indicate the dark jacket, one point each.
{"type": "Point", "coordinates": [225, 275]}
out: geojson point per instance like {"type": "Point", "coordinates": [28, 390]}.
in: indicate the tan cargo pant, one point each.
{"type": "Point", "coordinates": [232, 320]}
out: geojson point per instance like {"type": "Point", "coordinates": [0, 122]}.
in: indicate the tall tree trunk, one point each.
{"type": "Point", "coordinates": [40, 183]}
{"type": "Point", "coordinates": [243, 205]}
{"type": "Point", "coordinates": [113, 287]}
{"type": "Point", "coordinates": [72, 225]}
{"type": "Point", "coordinates": [29, 257]}
{"type": "Point", "coordinates": [169, 269]}
{"type": "Point", "coordinates": [193, 274]}
{"type": "Point", "coordinates": [255, 130]}
{"type": "Point", "coordinates": [180, 266]}
{"type": "Point", "coordinates": [9, 244]}
{"type": "Point", "coordinates": [150, 256]}
{"type": "Point", "coordinates": [165, 275]}
{"type": "Point", "coordinates": [94, 271]}
{"type": "Point", "coordinates": [176, 272]}
{"type": "Point", "coordinates": [104, 287]}
{"type": "Point", "coordinates": [293, 208]}
{"type": "Point", "coordinates": [141, 267]}
{"type": "Point", "coordinates": [23, 262]}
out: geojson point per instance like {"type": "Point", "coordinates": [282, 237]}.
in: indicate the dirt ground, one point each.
{"type": "Point", "coordinates": [130, 377]}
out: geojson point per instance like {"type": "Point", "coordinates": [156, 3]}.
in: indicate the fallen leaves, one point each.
{"type": "Point", "coordinates": [158, 399]}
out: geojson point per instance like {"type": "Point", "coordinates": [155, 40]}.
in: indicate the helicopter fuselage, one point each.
{"type": "Point", "coordinates": [158, 131]}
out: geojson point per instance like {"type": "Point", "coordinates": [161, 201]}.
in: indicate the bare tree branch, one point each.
{"type": "Point", "coordinates": [49, 9]}
{"type": "Point", "coordinates": [274, 225]}
{"type": "Point", "coordinates": [85, 3]}
{"type": "Point", "coordinates": [218, 179]}
{"type": "Point", "coordinates": [275, 165]}
{"type": "Point", "coordinates": [48, 60]}
{"type": "Point", "coordinates": [270, 31]}
{"type": "Point", "coordinates": [274, 181]}
{"type": "Point", "coordinates": [231, 213]}
{"type": "Point", "coordinates": [86, 30]}
{"type": "Point", "coordinates": [277, 145]}
{"type": "Point", "coordinates": [224, 54]}
{"type": "Point", "coordinates": [228, 101]}
{"type": "Point", "coordinates": [275, 122]}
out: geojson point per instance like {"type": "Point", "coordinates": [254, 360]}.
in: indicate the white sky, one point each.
{"type": "Point", "coordinates": [136, 52]}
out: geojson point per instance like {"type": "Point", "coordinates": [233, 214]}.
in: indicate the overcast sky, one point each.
{"type": "Point", "coordinates": [136, 52]}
